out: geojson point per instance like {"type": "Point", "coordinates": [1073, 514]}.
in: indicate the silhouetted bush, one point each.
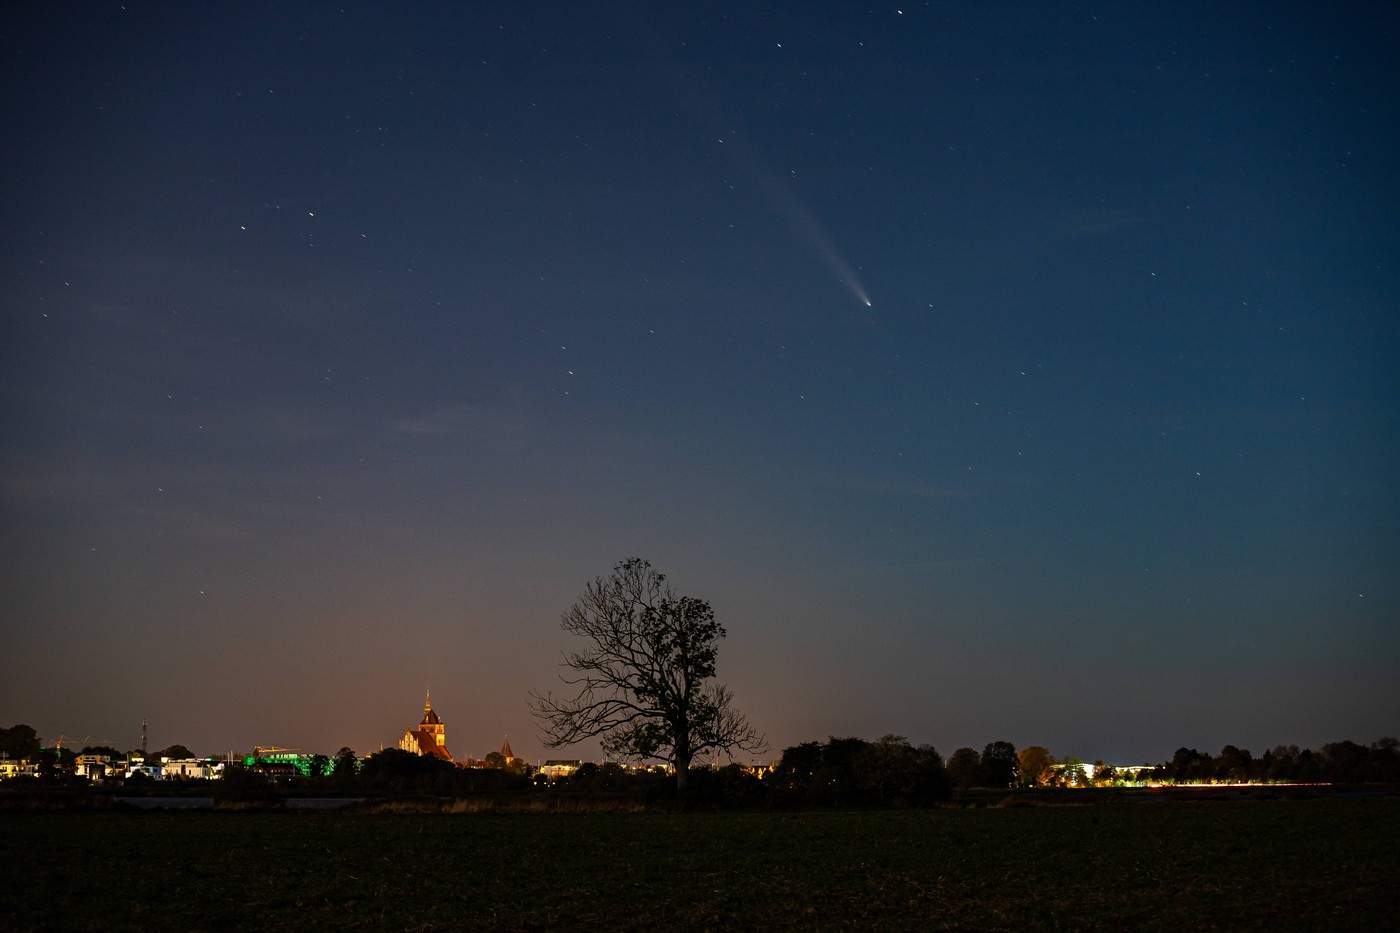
{"type": "Point", "coordinates": [393, 772]}
{"type": "Point", "coordinates": [888, 772]}
{"type": "Point", "coordinates": [998, 767]}
{"type": "Point", "coordinates": [243, 785]}
{"type": "Point", "coordinates": [727, 786]}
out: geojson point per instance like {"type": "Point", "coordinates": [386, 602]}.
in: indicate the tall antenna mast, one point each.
{"type": "Point", "coordinates": [143, 738]}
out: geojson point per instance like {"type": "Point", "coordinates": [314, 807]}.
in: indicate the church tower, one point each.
{"type": "Point", "coordinates": [431, 724]}
{"type": "Point", "coordinates": [430, 736]}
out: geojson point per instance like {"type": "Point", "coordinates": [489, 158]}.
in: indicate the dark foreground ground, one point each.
{"type": "Point", "coordinates": [1209, 864]}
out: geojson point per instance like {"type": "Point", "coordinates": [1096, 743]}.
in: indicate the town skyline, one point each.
{"type": "Point", "coordinates": [530, 748]}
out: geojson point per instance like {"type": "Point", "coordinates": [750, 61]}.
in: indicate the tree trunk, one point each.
{"type": "Point", "coordinates": [682, 772]}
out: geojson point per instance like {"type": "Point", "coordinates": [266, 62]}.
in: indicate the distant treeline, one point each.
{"type": "Point", "coordinates": [1334, 763]}
{"type": "Point", "coordinates": [840, 772]}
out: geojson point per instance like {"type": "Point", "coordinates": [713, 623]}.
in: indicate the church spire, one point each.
{"type": "Point", "coordinates": [430, 716]}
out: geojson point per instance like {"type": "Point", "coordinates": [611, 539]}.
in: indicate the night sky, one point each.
{"type": "Point", "coordinates": [343, 344]}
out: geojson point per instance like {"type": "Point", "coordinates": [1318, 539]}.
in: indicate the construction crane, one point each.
{"type": "Point", "coordinates": [58, 744]}
{"type": "Point", "coordinates": [260, 750]}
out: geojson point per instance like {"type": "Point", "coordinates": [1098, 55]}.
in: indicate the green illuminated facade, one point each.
{"type": "Point", "coordinates": [299, 761]}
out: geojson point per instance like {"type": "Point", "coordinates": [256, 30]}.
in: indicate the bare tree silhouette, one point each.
{"type": "Point", "coordinates": [643, 680]}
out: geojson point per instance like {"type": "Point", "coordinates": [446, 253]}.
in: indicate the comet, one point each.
{"type": "Point", "coordinates": [804, 222]}
{"type": "Point", "coordinates": [800, 218]}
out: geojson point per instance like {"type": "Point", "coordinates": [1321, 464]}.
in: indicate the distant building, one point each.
{"type": "Point", "coordinates": [1131, 770]}
{"type": "Point", "coordinates": [92, 767]}
{"type": "Point", "coordinates": [505, 758]}
{"type": "Point", "coordinates": [279, 762]}
{"type": "Point", "coordinates": [1135, 773]}
{"type": "Point", "coordinates": [429, 737]}
{"type": "Point", "coordinates": [137, 765]}
{"type": "Point", "coordinates": [186, 769]}
{"type": "Point", "coordinates": [560, 767]}
{"type": "Point", "coordinates": [15, 767]}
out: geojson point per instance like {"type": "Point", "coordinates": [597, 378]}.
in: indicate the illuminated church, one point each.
{"type": "Point", "coordinates": [429, 737]}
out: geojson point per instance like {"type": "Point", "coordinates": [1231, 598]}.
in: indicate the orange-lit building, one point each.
{"type": "Point", "coordinates": [429, 737]}
{"type": "Point", "coordinates": [761, 770]}
{"type": "Point", "coordinates": [559, 767]}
